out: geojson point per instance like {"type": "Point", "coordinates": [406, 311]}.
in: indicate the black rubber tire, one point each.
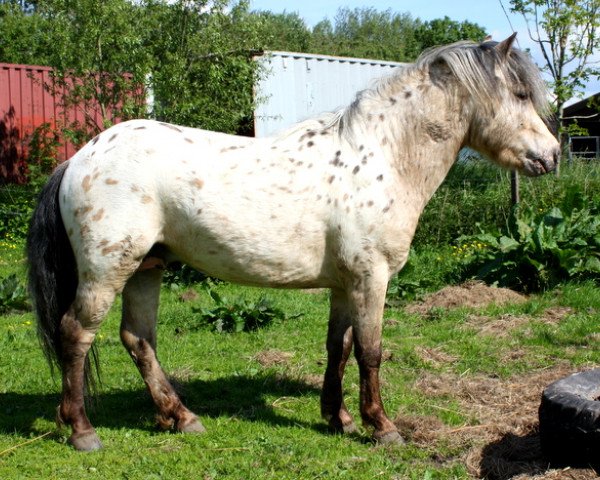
{"type": "Point", "coordinates": [570, 420]}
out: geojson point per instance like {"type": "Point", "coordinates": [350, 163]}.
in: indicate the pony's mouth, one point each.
{"type": "Point", "coordinates": [537, 164]}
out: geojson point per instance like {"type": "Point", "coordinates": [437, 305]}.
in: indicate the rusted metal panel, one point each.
{"type": "Point", "coordinates": [26, 103]}
{"type": "Point", "coordinates": [30, 99]}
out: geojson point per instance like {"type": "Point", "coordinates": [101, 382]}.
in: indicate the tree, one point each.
{"type": "Point", "coordinates": [386, 35]}
{"type": "Point", "coordinates": [566, 32]}
{"type": "Point", "coordinates": [203, 71]}
{"type": "Point", "coordinates": [99, 61]}
{"type": "Point", "coordinates": [281, 31]}
{"type": "Point", "coordinates": [367, 33]}
{"type": "Point", "coordinates": [23, 40]}
{"type": "Point", "coordinates": [444, 30]}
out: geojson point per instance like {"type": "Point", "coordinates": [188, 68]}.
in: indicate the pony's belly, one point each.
{"type": "Point", "coordinates": [257, 271]}
{"type": "Point", "coordinates": [258, 261]}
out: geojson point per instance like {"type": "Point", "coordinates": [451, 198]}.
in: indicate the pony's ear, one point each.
{"type": "Point", "coordinates": [505, 45]}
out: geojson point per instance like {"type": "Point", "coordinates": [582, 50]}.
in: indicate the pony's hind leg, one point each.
{"type": "Point", "coordinates": [138, 334]}
{"type": "Point", "coordinates": [339, 347]}
{"type": "Point", "coordinates": [77, 331]}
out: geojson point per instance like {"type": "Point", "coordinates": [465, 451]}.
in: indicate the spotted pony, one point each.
{"type": "Point", "coordinates": [331, 203]}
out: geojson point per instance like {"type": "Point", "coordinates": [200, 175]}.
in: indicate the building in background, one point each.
{"type": "Point", "coordinates": [297, 86]}
{"type": "Point", "coordinates": [585, 113]}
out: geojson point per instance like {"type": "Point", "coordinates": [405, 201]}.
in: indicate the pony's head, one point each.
{"type": "Point", "coordinates": [506, 102]}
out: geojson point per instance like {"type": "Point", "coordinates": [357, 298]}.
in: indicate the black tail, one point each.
{"type": "Point", "coordinates": [52, 271]}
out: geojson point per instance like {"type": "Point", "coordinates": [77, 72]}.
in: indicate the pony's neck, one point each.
{"type": "Point", "coordinates": [420, 125]}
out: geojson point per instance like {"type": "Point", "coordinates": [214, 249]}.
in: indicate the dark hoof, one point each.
{"type": "Point", "coordinates": [86, 442]}
{"type": "Point", "coordinates": [192, 427]}
{"type": "Point", "coordinates": [388, 438]}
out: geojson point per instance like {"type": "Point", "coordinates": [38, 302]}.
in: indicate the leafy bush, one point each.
{"type": "Point", "coordinates": [540, 249]}
{"type": "Point", "coordinates": [16, 207]}
{"type": "Point", "coordinates": [239, 316]}
{"type": "Point", "coordinates": [13, 295]}
{"type": "Point", "coordinates": [475, 197]}
{"type": "Point", "coordinates": [178, 275]}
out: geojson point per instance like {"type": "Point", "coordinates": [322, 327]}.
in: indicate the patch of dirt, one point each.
{"type": "Point", "coordinates": [436, 357]}
{"type": "Point", "coordinates": [501, 442]}
{"type": "Point", "coordinates": [470, 294]}
{"type": "Point", "coordinates": [189, 295]}
{"type": "Point", "coordinates": [270, 358]}
{"type": "Point", "coordinates": [502, 325]}
{"type": "Point", "coordinates": [315, 381]}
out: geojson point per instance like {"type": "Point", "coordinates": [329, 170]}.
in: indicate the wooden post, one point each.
{"type": "Point", "coordinates": [514, 188]}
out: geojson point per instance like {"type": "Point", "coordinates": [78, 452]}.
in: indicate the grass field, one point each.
{"type": "Point", "coordinates": [463, 385]}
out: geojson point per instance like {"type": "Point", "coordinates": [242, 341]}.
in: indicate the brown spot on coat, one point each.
{"type": "Point", "coordinates": [135, 188]}
{"type": "Point", "coordinates": [95, 139]}
{"type": "Point", "coordinates": [112, 137]}
{"type": "Point", "coordinates": [355, 170]}
{"type": "Point", "coordinates": [437, 131]}
{"type": "Point", "coordinates": [98, 215]}
{"type": "Point", "coordinates": [111, 181]}
{"type": "Point", "coordinates": [188, 140]}
{"type": "Point", "coordinates": [86, 184]}
{"type": "Point", "coordinates": [115, 247]}
{"type": "Point", "coordinates": [197, 182]}
{"type": "Point", "coordinates": [141, 127]}
{"type": "Point", "coordinates": [146, 198]}
{"type": "Point", "coordinates": [331, 179]}
{"type": "Point", "coordinates": [172, 127]}
{"type": "Point", "coordinates": [82, 210]}
{"type": "Point", "coordinates": [379, 178]}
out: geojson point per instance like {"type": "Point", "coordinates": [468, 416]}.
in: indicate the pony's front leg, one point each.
{"type": "Point", "coordinates": [367, 299]}
{"type": "Point", "coordinates": [339, 346]}
{"type": "Point", "coordinates": [138, 334]}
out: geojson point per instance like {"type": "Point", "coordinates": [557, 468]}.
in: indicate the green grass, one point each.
{"type": "Point", "coordinates": [263, 422]}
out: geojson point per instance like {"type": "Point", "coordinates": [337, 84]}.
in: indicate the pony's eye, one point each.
{"type": "Point", "coordinates": [521, 95]}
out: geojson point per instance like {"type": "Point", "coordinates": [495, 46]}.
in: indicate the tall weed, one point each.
{"type": "Point", "coordinates": [540, 249]}
{"type": "Point", "coordinates": [475, 197]}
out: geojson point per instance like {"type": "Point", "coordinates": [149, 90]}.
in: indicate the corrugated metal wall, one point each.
{"type": "Point", "coordinates": [298, 86]}
{"type": "Point", "coordinates": [26, 102]}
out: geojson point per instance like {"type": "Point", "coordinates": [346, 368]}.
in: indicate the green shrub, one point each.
{"type": "Point", "coordinates": [239, 316]}
{"type": "Point", "coordinates": [179, 275]}
{"type": "Point", "coordinates": [13, 295]}
{"type": "Point", "coordinates": [475, 197]}
{"type": "Point", "coordinates": [540, 249]}
{"type": "Point", "coordinates": [16, 207]}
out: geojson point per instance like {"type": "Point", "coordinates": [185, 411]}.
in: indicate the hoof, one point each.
{"type": "Point", "coordinates": [192, 427]}
{"type": "Point", "coordinates": [86, 442]}
{"type": "Point", "coordinates": [388, 438]}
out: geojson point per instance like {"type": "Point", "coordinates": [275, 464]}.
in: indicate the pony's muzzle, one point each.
{"type": "Point", "coordinates": [540, 164]}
